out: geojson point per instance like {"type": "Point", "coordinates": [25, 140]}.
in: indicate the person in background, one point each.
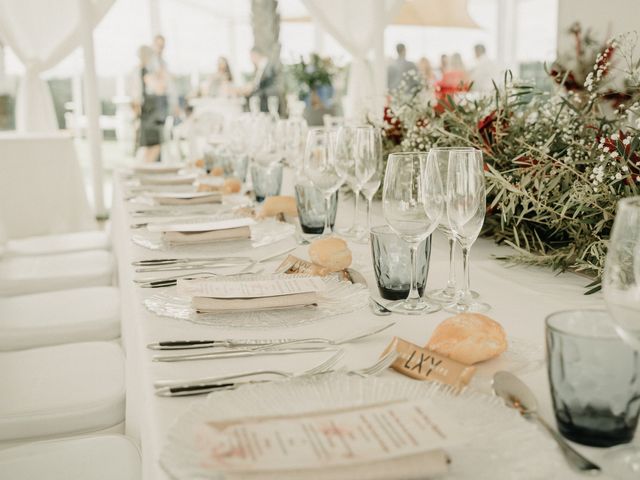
{"type": "Point", "coordinates": [399, 67]}
{"type": "Point", "coordinates": [444, 64]}
{"type": "Point", "coordinates": [485, 71]}
{"type": "Point", "coordinates": [264, 83]}
{"type": "Point", "coordinates": [220, 84]}
{"type": "Point", "coordinates": [455, 76]}
{"type": "Point", "coordinates": [426, 72]}
{"type": "Point", "coordinates": [149, 102]}
{"type": "Point", "coordinates": [159, 64]}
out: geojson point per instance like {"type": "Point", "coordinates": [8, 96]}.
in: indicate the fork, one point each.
{"type": "Point", "coordinates": [205, 386]}
{"type": "Point", "coordinates": [173, 280]}
{"type": "Point", "coordinates": [173, 387]}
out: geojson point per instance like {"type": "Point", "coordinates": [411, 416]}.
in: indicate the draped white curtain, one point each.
{"type": "Point", "coordinates": [41, 33]}
{"type": "Point", "coordinates": [358, 26]}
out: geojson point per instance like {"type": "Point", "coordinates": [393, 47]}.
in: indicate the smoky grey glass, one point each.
{"type": "Point", "coordinates": [267, 180]}
{"type": "Point", "coordinates": [235, 165]}
{"type": "Point", "coordinates": [312, 208]}
{"type": "Point", "coordinates": [594, 378]}
{"type": "Point", "coordinates": [392, 263]}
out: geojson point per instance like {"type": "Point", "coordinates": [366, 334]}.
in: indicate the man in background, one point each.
{"type": "Point", "coordinates": [265, 79]}
{"type": "Point", "coordinates": [398, 68]}
{"type": "Point", "coordinates": [485, 72]}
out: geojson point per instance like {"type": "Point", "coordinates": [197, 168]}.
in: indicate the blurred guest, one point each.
{"type": "Point", "coordinates": [265, 78]}
{"type": "Point", "coordinates": [485, 71]}
{"type": "Point", "coordinates": [149, 99]}
{"type": "Point", "coordinates": [159, 64]}
{"type": "Point", "coordinates": [444, 64]}
{"type": "Point", "coordinates": [221, 82]}
{"type": "Point", "coordinates": [455, 76]}
{"type": "Point", "coordinates": [399, 67]}
{"type": "Point", "coordinates": [426, 72]}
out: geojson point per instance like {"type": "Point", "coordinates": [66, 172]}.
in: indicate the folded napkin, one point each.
{"type": "Point", "coordinates": [156, 168]}
{"type": "Point", "coordinates": [167, 180]}
{"type": "Point", "coordinates": [263, 293]}
{"type": "Point", "coordinates": [187, 198]}
{"type": "Point", "coordinates": [207, 236]}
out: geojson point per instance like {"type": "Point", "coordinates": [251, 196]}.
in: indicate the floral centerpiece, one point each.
{"type": "Point", "coordinates": [314, 79]}
{"type": "Point", "coordinates": [556, 163]}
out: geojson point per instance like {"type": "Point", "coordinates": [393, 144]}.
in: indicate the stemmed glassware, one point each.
{"type": "Point", "coordinates": [465, 209]}
{"type": "Point", "coordinates": [621, 286]}
{"type": "Point", "coordinates": [370, 187]}
{"type": "Point", "coordinates": [355, 160]}
{"type": "Point", "coordinates": [412, 204]}
{"type": "Point", "coordinates": [320, 167]}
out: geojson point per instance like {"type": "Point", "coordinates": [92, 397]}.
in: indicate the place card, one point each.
{"type": "Point", "coordinates": [247, 288]}
{"type": "Point", "coordinates": [295, 265]}
{"type": "Point", "coordinates": [423, 364]}
{"type": "Point", "coordinates": [340, 438]}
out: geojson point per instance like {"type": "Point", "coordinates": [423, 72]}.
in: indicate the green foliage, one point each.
{"type": "Point", "coordinates": [311, 75]}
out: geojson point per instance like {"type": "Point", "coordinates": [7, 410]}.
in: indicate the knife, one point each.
{"type": "Point", "coordinates": [247, 352]}
{"type": "Point", "coordinates": [189, 390]}
{"type": "Point", "coordinates": [188, 344]}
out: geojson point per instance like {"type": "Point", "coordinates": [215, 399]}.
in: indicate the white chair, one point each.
{"type": "Point", "coordinates": [22, 275]}
{"type": "Point", "coordinates": [61, 391]}
{"type": "Point", "coordinates": [54, 318]}
{"type": "Point", "coordinates": [103, 457]}
{"type": "Point", "coordinates": [59, 243]}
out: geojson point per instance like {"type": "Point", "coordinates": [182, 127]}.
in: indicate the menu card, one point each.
{"type": "Point", "coordinates": [328, 439]}
{"type": "Point", "coordinates": [275, 293]}
{"type": "Point", "coordinates": [200, 224]}
{"type": "Point", "coordinates": [187, 198]}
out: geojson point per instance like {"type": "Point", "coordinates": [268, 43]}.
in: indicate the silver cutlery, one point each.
{"type": "Point", "coordinates": [238, 343]}
{"type": "Point", "coordinates": [517, 395]}
{"type": "Point", "coordinates": [174, 267]}
{"type": "Point", "coordinates": [241, 352]}
{"type": "Point", "coordinates": [173, 280]}
{"type": "Point", "coordinates": [377, 308]}
{"type": "Point", "coordinates": [201, 382]}
{"type": "Point", "coordinates": [172, 261]}
{"type": "Point", "coordinates": [202, 387]}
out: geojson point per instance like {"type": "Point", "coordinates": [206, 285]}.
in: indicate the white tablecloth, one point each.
{"type": "Point", "coordinates": [41, 186]}
{"type": "Point", "coordinates": [521, 299]}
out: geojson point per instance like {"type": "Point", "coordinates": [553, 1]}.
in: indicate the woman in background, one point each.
{"type": "Point", "coordinates": [455, 77]}
{"type": "Point", "coordinates": [426, 72]}
{"type": "Point", "coordinates": [220, 84]}
{"type": "Point", "coordinates": [150, 103]}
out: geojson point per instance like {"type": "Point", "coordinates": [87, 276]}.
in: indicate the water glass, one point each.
{"type": "Point", "coordinates": [594, 378]}
{"type": "Point", "coordinates": [392, 263]}
{"type": "Point", "coordinates": [312, 209]}
{"type": "Point", "coordinates": [237, 165]}
{"type": "Point", "coordinates": [267, 180]}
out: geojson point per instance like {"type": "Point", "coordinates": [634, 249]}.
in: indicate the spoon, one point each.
{"type": "Point", "coordinates": [517, 395]}
{"type": "Point", "coordinates": [378, 308]}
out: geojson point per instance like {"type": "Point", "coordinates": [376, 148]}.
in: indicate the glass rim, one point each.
{"type": "Point", "coordinates": [381, 229]}
{"type": "Point", "coordinates": [599, 336]}
{"type": "Point", "coordinates": [407, 154]}
{"type": "Point", "coordinates": [454, 148]}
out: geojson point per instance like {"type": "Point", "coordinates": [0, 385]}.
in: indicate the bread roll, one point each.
{"type": "Point", "coordinates": [231, 185]}
{"type": "Point", "coordinates": [217, 171]}
{"type": "Point", "coordinates": [272, 206]}
{"type": "Point", "coordinates": [199, 163]}
{"type": "Point", "coordinates": [469, 338]}
{"type": "Point", "coordinates": [331, 252]}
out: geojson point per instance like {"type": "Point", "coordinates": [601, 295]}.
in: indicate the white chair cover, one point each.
{"type": "Point", "coordinates": [60, 391]}
{"type": "Point", "coordinates": [104, 457]}
{"type": "Point", "coordinates": [61, 243]}
{"type": "Point", "coordinates": [48, 273]}
{"type": "Point", "coordinates": [54, 318]}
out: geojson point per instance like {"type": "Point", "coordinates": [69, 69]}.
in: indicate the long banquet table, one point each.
{"type": "Point", "coordinates": [521, 299]}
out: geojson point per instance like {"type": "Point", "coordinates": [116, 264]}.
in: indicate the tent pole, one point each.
{"type": "Point", "coordinates": [92, 106]}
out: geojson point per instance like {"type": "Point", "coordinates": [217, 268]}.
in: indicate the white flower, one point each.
{"type": "Point", "coordinates": [618, 176]}
{"type": "Point", "coordinates": [605, 149]}
{"type": "Point", "coordinates": [626, 141]}
{"type": "Point", "coordinates": [615, 155]}
{"type": "Point", "coordinates": [615, 136]}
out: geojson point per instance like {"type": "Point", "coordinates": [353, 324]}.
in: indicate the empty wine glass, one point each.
{"type": "Point", "coordinates": [354, 160]}
{"type": "Point", "coordinates": [371, 186]}
{"type": "Point", "coordinates": [412, 204]}
{"type": "Point", "coordinates": [466, 208]}
{"type": "Point", "coordinates": [621, 286]}
{"type": "Point", "coordinates": [448, 294]}
{"type": "Point", "coordinates": [320, 167]}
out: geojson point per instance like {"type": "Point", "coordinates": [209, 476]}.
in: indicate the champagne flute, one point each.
{"type": "Point", "coordinates": [320, 167]}
{"type": "Point", "coordinates": [412, 204]}
{"type": "Point", "coordinates": [621, 286]}
{"type": "Point", "coordinates": [370, 187]}
{"type": "Point", "coordinates": [466, 208]}
{"type": "Point", "coordinates": [448, 294]}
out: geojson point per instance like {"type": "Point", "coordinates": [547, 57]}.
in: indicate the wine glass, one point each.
{"type": "Point", "coordinates": [320, 167]}
{"type": "Point", "coordinates": [448, 294]}
{"type": "Point", "coordinates": [621, 286]}
{"type": "Point", "coordinates": [412, 204]}
{"type": "Point", "coordinates": [354, 160]}
{"type": "Point", "coordinates": [466, 208]}
{"type": "Point", "coordinates": [370, 187]}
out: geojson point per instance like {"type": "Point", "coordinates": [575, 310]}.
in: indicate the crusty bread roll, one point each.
{"type": "Point", "coordinates": [217, 171]}
{"type": "Point", "coordinates": [272, 206]}
{"type": "Point", "coordinates": [332, 253]}
{"type": "Point", "coordinates": [199, 163]}
{"type": "Point", "coordinates": [469, 338]}
{"type": "Point", "coordinates": [231, 185]}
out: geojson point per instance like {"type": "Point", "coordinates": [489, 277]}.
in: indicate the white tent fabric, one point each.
{"type": "Point", "coordinates": [358, 26]}
{"type": "Point", "coordinates": [41, 33]}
